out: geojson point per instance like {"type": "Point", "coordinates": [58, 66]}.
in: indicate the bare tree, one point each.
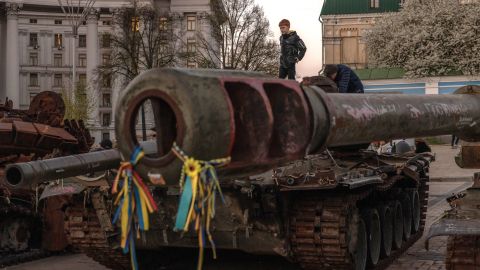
{"type": "Point", "coordinates": [77, 104]}
{"type": "Point", "coordinates": [428, 38]}
{"type": "Point", "coordinates": [142, 40]}
{"type": "Point", "coordinates": [240, 39]}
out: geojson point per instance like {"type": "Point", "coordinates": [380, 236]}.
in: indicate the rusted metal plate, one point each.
{"type": "Point", "coordinates": [323, 82]}
{"type": "Point", "coordinates": [291, 119]}
{"type": "Point", "coordinates": [62, 189]}
{"type": "Point", "coordinates": [48, 136]}
{"type": "Point", "coordinates": [6, 133]}
{"type": "Point", "coordinates": [67, 138]}
{"type": "Point", "coordinates": [25, 133]}
{"type": "Point", "coordinates": [54, 228]}
{"type": "Point", "coordinates": [47, 107]}
{"type": "Point", "coordinates": [253, 120]}
{"type": "Point", "coordinates": [454, 227]}
{"type": "Point", "coordinates": [469, 156]}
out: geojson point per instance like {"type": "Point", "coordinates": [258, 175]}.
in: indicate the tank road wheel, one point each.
{"type": "Point", "coordinates": [360, 251]}
{"type": "Point", "coordinates": [386, 223]}
{"type": "Point", "coordinates": [463, 252]}
{"type": "Point", "coordinates": [397, 224]}
{"type": "Point", "coordinates": [407, 216]}
{"type": "Point", "coordinates": [374, 234]}
{"type": "Point", "coordinates": [416, 211]}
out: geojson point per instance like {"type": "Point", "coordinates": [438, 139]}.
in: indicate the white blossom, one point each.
{"type": "Point", "coordinates": [428, 38]}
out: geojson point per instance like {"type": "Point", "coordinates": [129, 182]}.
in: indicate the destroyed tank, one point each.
{"type": "Point", "coordinates": [25, 135]}
{"type": "Point", "coordinates": [461, 223]}
{"type": "Point", "coordinates": [300, 183]}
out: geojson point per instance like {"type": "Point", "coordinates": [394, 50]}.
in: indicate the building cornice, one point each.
{"type": "Point", "coordinates": [13, 9]}
{"type": "Point", "coordinates": [354, 16]}
{"type": "Point", "coordinates": [98, 3]}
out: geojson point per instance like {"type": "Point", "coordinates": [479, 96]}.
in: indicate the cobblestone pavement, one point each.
{"type": "Point", "coordinates": [417, 257]}
{"type": "Point", "coordinates": [444, 167]}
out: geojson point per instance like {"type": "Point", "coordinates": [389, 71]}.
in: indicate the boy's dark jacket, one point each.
{"type": "Point", "coordinates": [292, 48]}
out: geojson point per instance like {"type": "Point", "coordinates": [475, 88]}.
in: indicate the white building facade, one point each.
{"type": "Point", "coordinates": [36, 50]}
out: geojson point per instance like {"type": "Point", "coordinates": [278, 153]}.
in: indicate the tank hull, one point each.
{"type": "Point", "coordinates": [317, 228]}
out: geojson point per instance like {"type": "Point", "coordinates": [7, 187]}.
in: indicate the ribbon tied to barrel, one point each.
{"type": "Point", "coordinates": [134, 204]}
{"type": "Point", "coordinates": [199, 185]}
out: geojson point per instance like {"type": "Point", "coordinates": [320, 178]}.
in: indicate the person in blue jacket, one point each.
{"type": "Point", "coordinates": [346, 80]}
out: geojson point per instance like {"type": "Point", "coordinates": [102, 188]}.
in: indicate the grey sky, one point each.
{"type": "Point", "coordinates": [303, 16]}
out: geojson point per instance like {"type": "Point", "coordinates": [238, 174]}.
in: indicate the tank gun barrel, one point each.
{"type": "Point", "coordinates": [263, 122]}
{"type": "Point", "coordinates": [365, 118]}
{"type": "Point", "coordinates": [29, 174]}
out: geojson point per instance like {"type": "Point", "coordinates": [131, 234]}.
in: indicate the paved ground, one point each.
{"type": "Point", "coordinates": [445, 169]}
{"type": "Point", "coordinates": [452, 180]}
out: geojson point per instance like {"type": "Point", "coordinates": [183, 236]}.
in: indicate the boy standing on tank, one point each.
{"type": "Point", "coordinates": [292, 50]}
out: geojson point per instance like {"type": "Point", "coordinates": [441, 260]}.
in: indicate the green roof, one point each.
{"type": "Point", "coordinates": [380, 73]}
{"type": "Point", "coordinates": [337, 7]}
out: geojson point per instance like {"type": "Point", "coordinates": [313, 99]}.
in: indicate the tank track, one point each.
{"type": "Point", "coordinates": [10, 259]}
{"type": "Point", "coordinates": [463, 252]}
{"type": "Point", "coordinates": [320, 227]}
{"type": "Point", "coordinates": [85, 234]}
{"type": "Point", "coordinates": [18, 247]}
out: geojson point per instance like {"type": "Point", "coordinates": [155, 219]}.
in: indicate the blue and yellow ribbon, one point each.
{"type": "Point", "coordinates": [199, 185]}
{"type": "Point", "coordinates": [135, 203]}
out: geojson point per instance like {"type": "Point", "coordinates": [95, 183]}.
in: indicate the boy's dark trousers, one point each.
{"type": "Point", "coordinates": [287, 71]}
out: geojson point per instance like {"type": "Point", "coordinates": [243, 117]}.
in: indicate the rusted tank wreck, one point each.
{"type": "Point", "coordinates": [300, 183]}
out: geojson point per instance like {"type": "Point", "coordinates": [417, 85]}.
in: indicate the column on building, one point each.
{"type": "Point", "coordinates": [12, 84]}
{"type": "Point", "coordinates": [92, 64]}
{"type": "Point", "coordinates": [117, 79]}
{"type": "Point", "coordinates": [3, 40]}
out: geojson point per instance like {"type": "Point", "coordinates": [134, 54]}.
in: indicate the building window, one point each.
{"type": "Point", "coordinates": [82, 41]}
{"type": "Point", "coordinates": [374, 3]}
{"type": "Point", "coordinates": [106, 100]}
{"type": "Point", "coordinates": [82, 79]}
{"type": "Point", "coordinates": [106, 136]}
{"type": "Point", "coordinates": [106, 119]}
{"type": "Point", "coordinates": [33, 39]}
{"type": "Point", "coordinates": [106, 40]}
{"type": "Point", "coordinates": [82, 60]}
{"type": "Point", "coordinates": [33, 20]}
{"type": "Point", "coordinates": [163, 24]}
{"type": "Point", "coordinates": [34, 59]}
{"type": "Point", "coordinates": [106, 22]}
{"type": "Point", "coordinates": [191, 49]}
{"type": "Point", "coordinates": [57, 80]}
{"type": "Point", "coordinates": [58, 21]}
{"type": "Point", "coordinates": [58, 41]}
{"type": "Point", "coordinates": [57, 60]}
{"type": "Point", "coordinates": [135, 24]}
{"type": "Point", "coordinates": [106, 59]}
{"type": "Point", "coordinates": [163, 49]}
{"type": "Point", "coordinates": [191, 46]}
{"type": "Point", "coordinates": [33, 79]}
{"type": "Point", "coordinates": [106, 80]}
{"type": "Point", "coordinates": [192, 22]}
